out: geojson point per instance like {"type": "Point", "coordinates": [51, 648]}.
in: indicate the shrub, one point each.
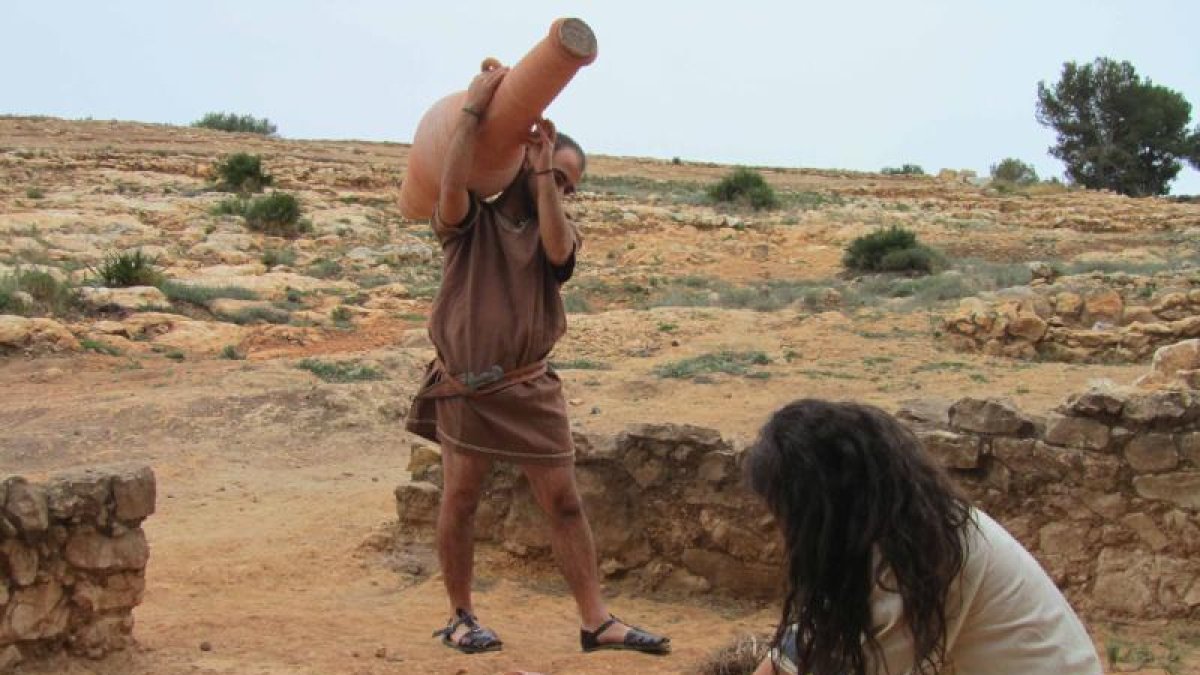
{"type": "Point", "coordinates": [741, 657]}
{"type": "Point", "coordinates": [744, 186]}
{"type": "Point", "coordinates": [34, 193]}
{"type": "Point", "coordinates": [892, 250]}
{"type": "Point", "coordinates": [241, 172]}
{"type": "Point", "coordinates": [1013, 171]}
{"type": "Point", "coordinates": [341, 317]}
{"type": "Point", "coordinates": [121, 270]}
{"type": "Point", "coordinates": [232, 122]}
{"type": "Point", "coordinates": [277, 214]}
{"type": "Point", "coordinates": [906, 170]}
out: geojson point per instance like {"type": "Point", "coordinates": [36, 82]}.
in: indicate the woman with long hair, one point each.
{"type": "Point", "coordinates": [889, 569]}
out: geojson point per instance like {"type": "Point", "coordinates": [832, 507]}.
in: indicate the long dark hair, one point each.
{"type": "Point", "coordinates": [847, 482]}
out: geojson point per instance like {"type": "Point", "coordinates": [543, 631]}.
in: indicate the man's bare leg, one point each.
{"type": "Point", "coordinates": [463, 476]}
{"type": "Point", "coordinates": [571, 537]}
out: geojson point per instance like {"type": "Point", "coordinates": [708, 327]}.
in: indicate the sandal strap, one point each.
{"type": "Point", "coordinates": [461, 617]}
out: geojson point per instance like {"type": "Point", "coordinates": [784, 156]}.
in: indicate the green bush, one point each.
{"type": "Point", "coordinates": [34, 193]}
{"type": "Point", "coordinates": [121, 270]}
{"type": "Point", "coordinates": [1014, 172]}
{"type": "Point", "coordinates": [906, 170]}
{"type": "Point", "coordinates": [277, 214]}
{"type": "Point", "coordinates": [744, 186]}
{"type": "Point", "coordinates": [232, 122]}
{"type": "Point", "coordinates": [241, 172]}
{"type": "Point", "coordinates": [892, 250]}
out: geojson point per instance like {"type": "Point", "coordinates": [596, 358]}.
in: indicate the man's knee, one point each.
{"type": "Point", "coordinates": [565, 506]}
{"type": "Point", "coordinates": [461, 503]}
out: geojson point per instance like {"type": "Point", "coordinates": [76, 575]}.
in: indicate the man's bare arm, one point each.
{"type": "Point", "coordinates": [454, 203]}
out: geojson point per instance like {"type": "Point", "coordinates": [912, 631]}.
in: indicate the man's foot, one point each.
{"type": "Point", "coordinates": [615, 634]}
{"type": "Point", "coordinates": [464, 633]}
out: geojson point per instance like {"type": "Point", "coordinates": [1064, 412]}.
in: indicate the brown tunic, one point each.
{"type": "Point", "coordinates": [498, 309]}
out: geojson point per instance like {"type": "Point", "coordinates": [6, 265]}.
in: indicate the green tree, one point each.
{"type": "Point", "coordinates": [1117, 131]}
{"type": "Point", "coordinates": [1014, 171]}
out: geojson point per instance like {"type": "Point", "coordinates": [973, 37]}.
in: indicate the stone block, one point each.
{"type": "Point", "coordinates": [989, 416]}
{"type": "Point", "coordinates": [92, 550]}
{"type": "Point", "coordinates": [1181, 488]}
{"type": "Point", "coordinates": [134, 493]}
{"type": "Point", "coordinates": [1077, 432]}
{"type": "Point", "coordinates": [953, 451]}
{"type": "Point", "coordinates": [26, 506]}
{"type": "Point", "coordinates": [1152, 453]}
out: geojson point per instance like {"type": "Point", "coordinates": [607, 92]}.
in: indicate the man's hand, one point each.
{"type": "Point", "coordinates": [541, 152]}
{"type": "Point", "coordinates": [482, 89]}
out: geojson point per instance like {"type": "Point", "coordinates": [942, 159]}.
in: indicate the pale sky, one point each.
{"type": "Point", "coordinates": [853, 84]}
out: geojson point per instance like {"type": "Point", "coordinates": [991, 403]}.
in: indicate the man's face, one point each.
{"type": "Point", "coordinates": [568, 171]}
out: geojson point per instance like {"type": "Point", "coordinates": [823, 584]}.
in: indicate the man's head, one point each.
{"type": "Point", "coordinates": [569, 164]}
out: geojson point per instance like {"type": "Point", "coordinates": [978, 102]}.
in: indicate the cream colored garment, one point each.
{"type": "Point", "coordinates": [1013, 619]}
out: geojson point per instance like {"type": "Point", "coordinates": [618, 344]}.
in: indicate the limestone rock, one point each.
{"type": "Point", "coordinates": [989, 416]}
{"type": "Point", "coordinates": [26, 506]}
{"type": "Point", "coordinates": [1181, 488]}
{"type": "Point", "coordinates": [417, 503]}
{"type": "Point", "coordinates": [1077, 432]}
{"type": "Point", "coordinates": [1152, 453]}
{"type": "Point", "coordinates": [954, 451]}
{"type": "Point", "coordinates": [36, 336]}
{"type": "Point", "coordinates": [92, 550]}
{"type": "Point", "coordinates": [133, 297]}
{"type": "Point", "coordinates": [134, 493]}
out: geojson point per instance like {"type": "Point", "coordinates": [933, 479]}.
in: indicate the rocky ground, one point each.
{"type": "Point", "coordinates": [275, 477]}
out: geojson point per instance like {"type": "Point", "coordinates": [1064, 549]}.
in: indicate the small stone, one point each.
{"type": "Point", "coordinates": [381, 653]}
{"type": "Point", "coordinates": [206, 646]}
{"type": "Point", "coordinates": [596, 410]}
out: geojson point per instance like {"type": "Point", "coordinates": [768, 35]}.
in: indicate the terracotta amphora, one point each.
{"type": "Point", "coordinates": [520, 100]}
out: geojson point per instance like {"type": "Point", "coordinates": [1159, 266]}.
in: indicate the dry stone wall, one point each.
{"type": "Point", "coordinates": [1104, 490]}
{"type": "Point", "coordinates": [1095, 317]}
{"type": "Point", "coordinates": [72, 561]}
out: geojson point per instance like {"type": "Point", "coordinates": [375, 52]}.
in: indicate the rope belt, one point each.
{"type": "Point", "coordinates": [472, 385]}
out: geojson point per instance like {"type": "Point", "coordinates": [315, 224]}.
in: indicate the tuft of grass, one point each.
{"type": "Point", "coordinates": [340, 371]}
{"type": "Point", "coordinates": [175, 355]}
{"type": "Point", "coordinates": [273, 257]}
{"type": "Point", "coordinates": [580, 364]}
{"type": "Point", "coordinates": [232, 206]}
{"type": "Point", "coordinates": [725, 361]}
{"type": "Point", "coordinates": [122, 270]}
{"type": "Point", "coordinates": [202, 295]}
{"type": "Point", "coordinates": [342, 317]}
{"type": "Point", "coordinates": [263, 314]}
{"type": "Point", "coordinates": [746, 187]}
{"type": "Point", "coordinates": [34, 193]}
{"type": "Point", "coordinates": [237, 123]}
{"type": "Point", "coordinates": [741, 657]}
{"type": "Point", "coordinates": [231, 352]}
{"type": "Point", "coordinates": [99, 347]}
{"type": "Point", "coordinates": [327, 269]}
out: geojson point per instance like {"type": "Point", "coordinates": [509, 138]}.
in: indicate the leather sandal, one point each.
{"type": "Point", "coordinates": [636, 639]}
{"type": "Point", "coordinates": [476, 640]}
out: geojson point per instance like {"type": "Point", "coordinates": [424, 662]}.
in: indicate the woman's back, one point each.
{"type": "Point", "coordinates": [1004, 616]}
